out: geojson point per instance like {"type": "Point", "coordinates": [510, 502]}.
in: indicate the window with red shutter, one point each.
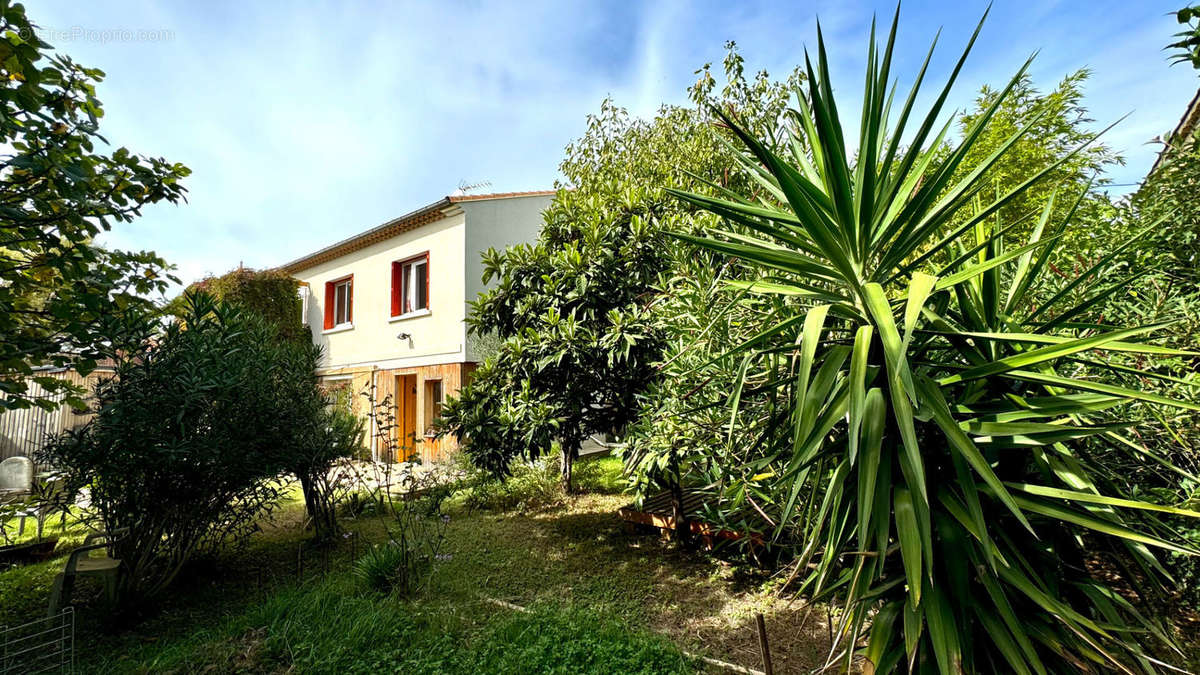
{"type": "Point", "coordinates": [410, 285]}
{"type": "Point", "coordinates": [339, 302]}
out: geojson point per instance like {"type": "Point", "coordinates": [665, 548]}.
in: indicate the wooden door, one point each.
{"type": "Point", "coordinates": [406, 417]}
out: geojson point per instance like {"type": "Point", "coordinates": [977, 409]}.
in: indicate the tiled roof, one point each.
{"type": "Point", "coordinates": [1183, 131]}
{"type": "Point", "coordinates": [409, 221]}
{"type": "Point", "coordinates": [500, 195]}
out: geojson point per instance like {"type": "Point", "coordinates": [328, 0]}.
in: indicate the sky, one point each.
{"type": "Point", "coordinates": [304, 123]}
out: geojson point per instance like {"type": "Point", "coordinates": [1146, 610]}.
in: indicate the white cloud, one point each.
{"type": "Point", "coordinates": [306, 123]}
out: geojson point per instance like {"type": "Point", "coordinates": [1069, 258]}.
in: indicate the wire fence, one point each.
{"type": "Point", "coordinates": [42, 646]}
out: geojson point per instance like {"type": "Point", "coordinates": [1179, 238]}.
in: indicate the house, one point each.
{"type": "Point", "coordinates": [389, 307]}
{"type": "Point", "coordinates": [1184, 131]}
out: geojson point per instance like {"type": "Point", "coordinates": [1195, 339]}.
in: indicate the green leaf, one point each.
{"type": "Point", "coordinates": [1090, 498]}
{"type": "Point", "coordinates": [909, 534]}
{"type": "Point", "coordinates": [1045, 354]}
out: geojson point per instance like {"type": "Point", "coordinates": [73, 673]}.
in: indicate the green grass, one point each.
{"type": "Point", "coordinates": [603, 600]}
{"type": "Point", "coordinates": [332, 627]}
{"type": "Point", "coordinates": [280, 605]}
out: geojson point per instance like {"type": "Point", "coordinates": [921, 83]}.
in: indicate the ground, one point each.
{"type": "Point", "coordinates": [602, 600]}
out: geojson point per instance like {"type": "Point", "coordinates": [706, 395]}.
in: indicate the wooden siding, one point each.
{"type": "Point", "coordinates": [428, 448]}
{"type": "Point", "coordinates": [24, 432]}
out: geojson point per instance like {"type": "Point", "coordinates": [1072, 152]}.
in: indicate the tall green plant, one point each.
{"type": "Point", "coordinates": [575, 313]}
{"type": "Point", "coordinates": [924, 407]}
{"type": "Point", "coordinates": [187, 441]}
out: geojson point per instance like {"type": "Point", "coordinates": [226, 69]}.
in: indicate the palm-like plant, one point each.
{"type": "Point", "coordinates": [936, 396]}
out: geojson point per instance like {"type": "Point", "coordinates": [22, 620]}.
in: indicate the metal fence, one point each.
{"type": "Point", "coordinates": [42, 646]}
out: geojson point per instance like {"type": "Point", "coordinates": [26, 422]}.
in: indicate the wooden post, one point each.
{"type": "Point", "coordinates": [763, 647]}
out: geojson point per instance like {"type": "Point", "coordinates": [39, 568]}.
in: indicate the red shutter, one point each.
{"type": "Point", "coordinates": [350, 300]}
{"type": "Point", "coordinates": [328, 305]}
{"type": "Point", "coordinates": [396, 278]}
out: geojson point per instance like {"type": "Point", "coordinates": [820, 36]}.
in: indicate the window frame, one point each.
{"type": "Point", "coordinates": [430, 413]}
{"type": "Point", "coordinates": [331, 304]}
{"type": "Point", "coordinates": [401, 283]}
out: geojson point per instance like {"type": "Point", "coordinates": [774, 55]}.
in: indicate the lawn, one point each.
{"type": "Point", "coordinates": [601, 600]}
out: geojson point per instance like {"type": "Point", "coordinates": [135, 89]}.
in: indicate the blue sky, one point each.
{"type": "Point", "coordinates": [304, 123]}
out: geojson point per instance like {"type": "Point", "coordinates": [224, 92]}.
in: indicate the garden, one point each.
{"type": "Point", "coordinates": [915, 391]}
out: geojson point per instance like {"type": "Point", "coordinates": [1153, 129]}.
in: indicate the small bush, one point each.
{"type": "Point", "coordinates": [187, 441]}
{"type": "Point", "coordinates": [391, 567]}
{"type": "Point", "coordinates": [532, 484]}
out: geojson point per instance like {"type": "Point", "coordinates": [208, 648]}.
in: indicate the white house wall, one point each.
{"type": "Point", "coordinates": [437, 337]}
{"type": "Point", "coordinates": [496, 223]}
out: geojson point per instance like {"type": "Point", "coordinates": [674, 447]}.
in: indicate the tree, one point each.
{"type": "Point", "coordinates": [919, 424]}
{"type": "Point", "coordinates": [57, 193]}
{"type": "Point", "coordinates": [574, 313]}
{"type": "Point", "coordinates": [270, 294]}
{"type": "Point", "coordinates": [1054, 137]}
{"type": "Point", "coordinates": [1187, 47]}
{"type": "Point", "coordinates": [319, 433]}
{"type": "Point", "coordinates": [188, 438]}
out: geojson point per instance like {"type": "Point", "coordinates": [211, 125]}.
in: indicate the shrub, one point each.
{"type": "Point", "coordinates": [530, 484]}
{"type": "Point", "coordinates": [920, 411]}
{"type": "Point", "coordinates": [393, 567]}
{"type": "Point", "coordinates": [320, 436]}
{"type": "Point", "coordinates": [408, 504]}
{"type": "Point", "coordinates": [187, 439]}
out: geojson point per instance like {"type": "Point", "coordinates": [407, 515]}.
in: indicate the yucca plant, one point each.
{"type": "Point", "coordinates": [936, 396]}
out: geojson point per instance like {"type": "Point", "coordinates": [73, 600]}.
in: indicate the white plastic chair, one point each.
{"type": "Point", "coordinates": [16, 478]}
{"type": "Point", "coordinates": [81, 563]}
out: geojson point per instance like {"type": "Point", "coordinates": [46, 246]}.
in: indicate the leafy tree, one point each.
{"type": "Point", "coordinates": [269, 293]}
{"type": "Point", "coordinates": [919, 424]}
{"type": "Point", "coordinates": [574, 312]}
{"type": "Point", "coordinates": [318, 434]}
{"type": "Point", "coordinates": [1055, 136]}
{"type": "Point", "coordinates": [188, 438]}
{"type": "Point", "coordinates": [1187, 47]}
{"type": "Point", "coordinates": [57, 193]}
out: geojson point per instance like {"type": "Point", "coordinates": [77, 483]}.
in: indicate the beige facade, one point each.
{"type": "Point", "coordinates": [389, 306]}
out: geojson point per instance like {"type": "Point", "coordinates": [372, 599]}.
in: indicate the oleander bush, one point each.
{"type": "Point", "coordinates": [188, 441]}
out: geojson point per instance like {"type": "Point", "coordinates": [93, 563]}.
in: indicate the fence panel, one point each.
{"type": "Point", "coordinates": [24, 432]}
{"type": "Point", "coordinates": [42, 646]}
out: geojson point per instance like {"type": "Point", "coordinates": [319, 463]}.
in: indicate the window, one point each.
{"type": "Point", "coordinates": [434, 397]}
{"type": "Point", "coordinates": [338, 390]}
{"type": "Point", "coordinates": [303, 291]}
{"type": "Point", "coordinates": [339, 302]}
{"type": "Point", "coordinates": [410, 285]}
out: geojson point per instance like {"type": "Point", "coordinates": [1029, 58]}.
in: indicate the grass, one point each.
{"type": "Point", "coordinates": [602, 600]}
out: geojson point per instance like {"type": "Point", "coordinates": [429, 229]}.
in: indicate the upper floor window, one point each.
{"type": "Point", "coordinates": [410, 285]}
{"type": "Point", "coordinates": [303, 291]}
{"type": "Point", "coordinates": [339, 302]}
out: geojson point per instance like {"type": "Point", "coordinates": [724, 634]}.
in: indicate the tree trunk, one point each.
{"type": "Point", "coordinates": [324, 520]}
{"type": "Point", "coordinates": [682, 532]}
{"type": "Point", "coordinates": [569, 452]}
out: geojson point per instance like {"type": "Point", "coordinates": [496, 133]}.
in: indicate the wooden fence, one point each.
{"type": "Point", "coordinates": [24, 432]}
